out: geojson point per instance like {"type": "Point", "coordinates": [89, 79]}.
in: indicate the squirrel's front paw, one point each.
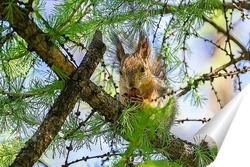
{"type": "Point", "coordinates": [133, 96]}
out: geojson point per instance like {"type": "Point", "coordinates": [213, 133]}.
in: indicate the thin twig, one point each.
{"type": "Point", "coordinates": [76, 9]}
{"type": "Point", "coordinates": [69, 148]}
{"type": "Point", "coordinates": [204, 120]}
{"type": "Point", "coordinates": [83, 123]}
{"type": "Point", "coordinates": [230, 36]}
{"type": "Point", "coordinates": [15, 95]}
{"type": "Point", "coordinates": [108, 154]}
{"type": "Point", "coordinates": [215, 74]}
{"type": "Point", "coordinates": [216, 95]}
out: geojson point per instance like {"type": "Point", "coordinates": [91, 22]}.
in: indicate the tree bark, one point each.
{"type": "Point", "coordinates": [98, 99]}
{"type": "Point", "coordinates": [63, 105]}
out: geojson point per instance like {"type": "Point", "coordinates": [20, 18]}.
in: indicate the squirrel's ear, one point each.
{"type": "Point", "coordinates": [143, 48]}
{"type": "Point", "coordinates": [120, 54]}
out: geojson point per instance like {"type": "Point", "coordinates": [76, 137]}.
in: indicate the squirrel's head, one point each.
{"type": "Point", "coordinates": [134, 68]}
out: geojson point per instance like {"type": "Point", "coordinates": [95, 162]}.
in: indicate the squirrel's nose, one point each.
{"type": "Point", "coordinates": [131, 84]}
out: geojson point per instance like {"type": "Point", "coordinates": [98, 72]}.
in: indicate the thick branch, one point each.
{"type": "Point", "coordinates": [37, 40]}
{"type": "Point", "coordinates": [64, 104]}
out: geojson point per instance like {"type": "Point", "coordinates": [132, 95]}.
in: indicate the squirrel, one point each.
{"type": "Point", "coordinates": [140, 80]}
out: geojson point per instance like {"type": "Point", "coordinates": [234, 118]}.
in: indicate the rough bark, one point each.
{"type": "Point", "coordinates": [36, 39]}
{"type": "Point", "coordinates": [63, 105]}
{"type": "Point", "coordinates": [98, 99]}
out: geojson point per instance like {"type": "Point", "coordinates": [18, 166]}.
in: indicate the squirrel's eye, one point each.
{"type": "Point", "coordinates": [120, 72]}
{"type": "Point", "coordinates": [142, 69]}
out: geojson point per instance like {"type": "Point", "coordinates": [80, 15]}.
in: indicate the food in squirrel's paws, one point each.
{"type": "Point", "coordinates": [133, 96]}
{"type": "Point", "coordinates": [133, 93]}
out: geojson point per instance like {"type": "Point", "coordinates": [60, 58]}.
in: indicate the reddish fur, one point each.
{"type": "Point", "coordinates": [138, 79]}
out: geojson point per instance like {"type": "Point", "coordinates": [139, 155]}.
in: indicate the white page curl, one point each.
{"type": "Point", "coordinates": [230, 130]}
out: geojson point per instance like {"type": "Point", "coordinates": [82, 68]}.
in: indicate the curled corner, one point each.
{"type": "Point", "coordinates": [230, 127]}
{"type": "Point", "coordinates": [216, 129]}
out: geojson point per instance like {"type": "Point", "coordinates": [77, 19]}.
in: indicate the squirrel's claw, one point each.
{"type": "Point", "coordinates": [131, 100]}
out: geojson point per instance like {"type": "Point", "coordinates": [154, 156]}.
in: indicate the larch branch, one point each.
{"type": "Point", "coordinates": [220, 29]}
{"type": "Point", "coordinates": [63, 105]}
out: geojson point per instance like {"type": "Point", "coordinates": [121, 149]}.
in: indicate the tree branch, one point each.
{"type": "Point", "coordinates": [229, 5]}
{"type": "Point", "coordinates": [214, 74]}
{"type": "Point", "coordinates": [245, 5]}
{"type": "Point", "coordinates": [238, 5]}
{"type": "Point", "coordinates": [37, 40]}
{"type": "Point", "coordinates": [63, 105]}
{"type": "Point", "coordinates": [203, 120]}
{"type": "Point", "coordinates": [67, 21]}
{"type": "Point", "coordinates": [220, 29]}
{"type": "Point", "coordinates": [22, 95]}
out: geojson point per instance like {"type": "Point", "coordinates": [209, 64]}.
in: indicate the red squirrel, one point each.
{"type": "Point", "coordinates": [142, 81]}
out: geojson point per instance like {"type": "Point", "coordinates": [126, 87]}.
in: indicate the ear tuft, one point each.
{"type": "Point", "coordinates": [120, 53]}
{"type": "Point", "coordinates": [143, 48]}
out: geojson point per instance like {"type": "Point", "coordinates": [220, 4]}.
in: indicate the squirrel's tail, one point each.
{"type": "Point", "coordinates": [157, 68]}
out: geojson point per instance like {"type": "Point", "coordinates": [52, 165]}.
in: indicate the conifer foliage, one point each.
{"type": "Point", "coordinates": [59, 88]}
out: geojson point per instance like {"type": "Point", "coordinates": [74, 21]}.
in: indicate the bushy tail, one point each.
{"type": "Point", "coordinates": [157, 68]}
